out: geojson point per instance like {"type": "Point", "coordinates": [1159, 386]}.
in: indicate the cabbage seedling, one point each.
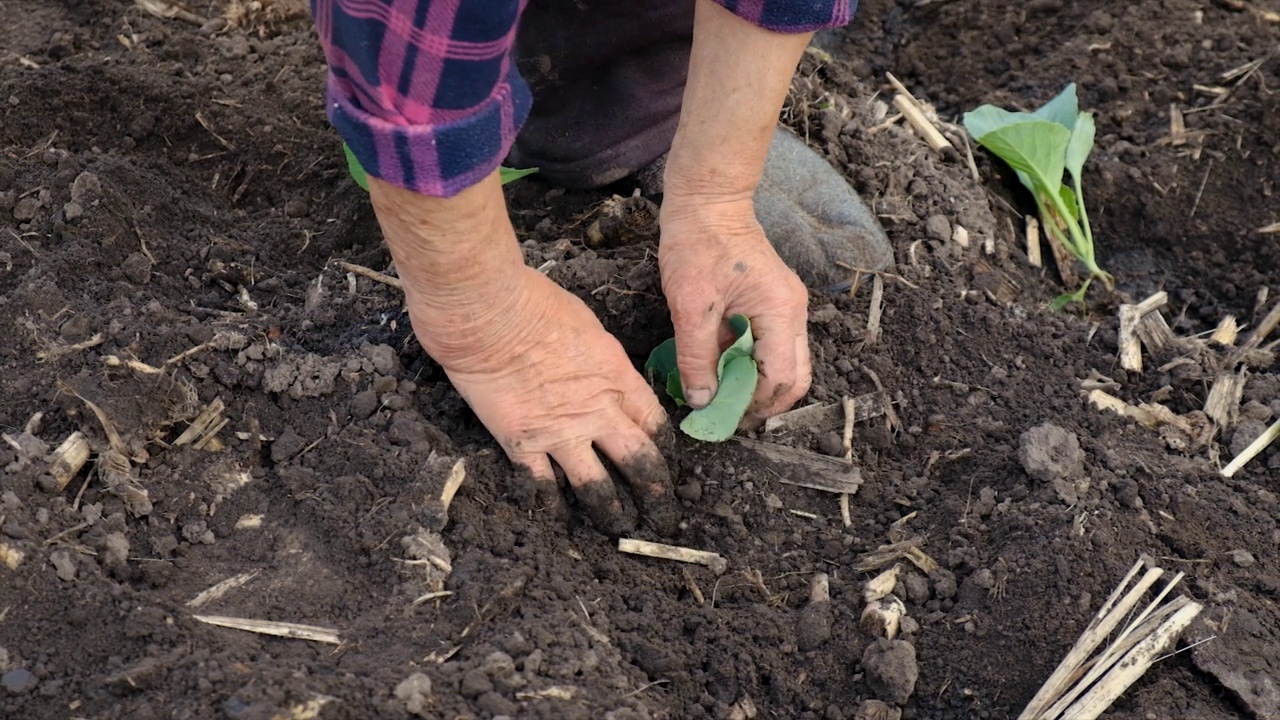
{"type": "Point", "coordinates": [737, 375]}
{"type": "Point", "coordinates": [1040, 146]}
{"type": "Point", "coordinates": [358, 174]}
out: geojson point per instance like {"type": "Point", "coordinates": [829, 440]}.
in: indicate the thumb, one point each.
{"type": "Point", "coordinates": [698, 351]}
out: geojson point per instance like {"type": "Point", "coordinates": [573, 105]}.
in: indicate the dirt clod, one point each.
{"type": "Point", "coordinates": [891, 670]}
{"type": "Point", "coordinates": [1050, 453]}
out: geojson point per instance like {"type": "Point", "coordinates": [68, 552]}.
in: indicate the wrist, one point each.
{"type": "Point", "coordinates": [460, 266]}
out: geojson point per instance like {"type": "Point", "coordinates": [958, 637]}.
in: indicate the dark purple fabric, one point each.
{"type": "Point", "coordinates": [427, 92]}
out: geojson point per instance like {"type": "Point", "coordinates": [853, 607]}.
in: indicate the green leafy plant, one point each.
{"type": "Point", "coordinates": [737, 374]}
{"type": "Point", "coordinates": [1040, 146]}
{"type": "Point", "coordinates": [358, 174]}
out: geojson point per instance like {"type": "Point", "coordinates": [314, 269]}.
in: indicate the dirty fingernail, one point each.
{"type": "Point", "coordinates": [697, 397]}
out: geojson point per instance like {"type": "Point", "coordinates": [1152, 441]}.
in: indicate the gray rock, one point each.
{"type": "Point", "coordinates": [1048, 453]}
{"type": "Point", "coordinates": [18, 681]}
{"type": "Point", "coordinates": [1243, 558]}
{"type": "Point", "coordinates": [937, 227]}
{"type": "Point", "coordinates": [891, 670]}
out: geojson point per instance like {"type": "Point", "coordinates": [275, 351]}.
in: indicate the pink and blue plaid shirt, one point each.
{"type": "Point", "coordinates": [426, 92]}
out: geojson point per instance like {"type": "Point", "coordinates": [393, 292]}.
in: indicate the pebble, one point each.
{"type": "Point", "coordinates": [691, 491]}
{"type": "Point", "coordinates": [1243, 558]}
{"type": "Point", "coordinates": [72, 211]}
{"type": "Point", "coordinates": [18, 681]}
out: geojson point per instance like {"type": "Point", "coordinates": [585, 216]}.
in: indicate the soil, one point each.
{"type": "Point", "coordinates": [171, 183]}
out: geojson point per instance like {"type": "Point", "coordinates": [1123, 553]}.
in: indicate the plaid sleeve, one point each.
{"type": "Point", "coordinates": [425, 92]}
{"type": "Point", "coordinates": [793, 16]}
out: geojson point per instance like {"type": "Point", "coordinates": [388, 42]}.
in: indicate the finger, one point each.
{"type": "Point", "coordinates": [641, 406]}
{"type": "Point", "coordinates": [697, 324]}
{"type": "Point", "coordinates": [776, 357]}
{"type": "Point", "coordinates": [540, 489]}
{"type": "Point", "coordinates": [641, 463]}
{"type": "Point", "coordinates": [593, 488]}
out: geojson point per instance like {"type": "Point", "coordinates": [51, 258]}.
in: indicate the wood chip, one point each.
{"type": "Point", "coordinates": [208, 419]}
{"type": "Point", "coordinates": [1131, 316]}
{"type": "Point", "coordinates": [222, 588]}
{"type": "Point", "coordinates": [809, 469]}
{"type": "Point", "coordinates": [278, 629]}
{"type": "Point", "coordinates": [372, 274]}
{"type": "Point", "coordinates": [68, 458]}
{"type": "Point", "coordinates": [1223, 403]}
{"type": "Point", "coordinates": [828, 415]}
{"type": "Point", "coordinates": [1033, 242]}
{"type": "Point", "coordinates": [1262, 442]}
{"type": "Point", "coordinates": [673, 552]}
{"type": "Point", "coordinates": [1226, 332]}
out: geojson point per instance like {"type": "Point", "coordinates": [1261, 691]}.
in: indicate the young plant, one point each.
{"type": "Point", "coordinates": [1040, 146]}
{"type": "Point", "coordinates": [737, 376]}
{"type": "Point", "coordinates": [358, 174]}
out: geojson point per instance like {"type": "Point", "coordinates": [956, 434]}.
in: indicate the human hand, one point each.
{"type": "Point", "coordinates": [716, 262]}
{"type": "Point", "coordinates": [531, 359]}
{"type": "Point", "coordinates": [551, 384]}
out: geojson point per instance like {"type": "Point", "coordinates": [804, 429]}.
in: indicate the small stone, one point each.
{"type": "Point", "coordinates": [908, 625]}
{"type": "Point", "coordinates": [891, 670]}
{"type": "Point", "coordinates": [1243, 558]}
{"type": "Point", "coordinates": [691, 491]}
{"type": "Point", "coordinates": [773, 502]}
{"type": "Point", "coordinates": [72, 211]}
{"type": "Point", "coordinates": [18, 681]}
{"type": "Point", "coordinates": [26, 209]}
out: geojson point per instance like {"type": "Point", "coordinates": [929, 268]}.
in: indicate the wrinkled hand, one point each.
{"type": "Point", "coordinates": [551, 384]}
{"type": "Point", "coordinates": [715, 263]}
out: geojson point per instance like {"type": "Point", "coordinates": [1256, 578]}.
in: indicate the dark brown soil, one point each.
{"type": "Point", "coordinates": [165, 184]}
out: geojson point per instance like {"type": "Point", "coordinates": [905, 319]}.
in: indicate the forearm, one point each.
{"type": "Point", "coordinates": [738, 78]}
{"type": "Point", "coordinates": [456, 258]}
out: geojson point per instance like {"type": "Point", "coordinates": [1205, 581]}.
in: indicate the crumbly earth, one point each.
{"type": "Point", "coordinates": [169, 184]}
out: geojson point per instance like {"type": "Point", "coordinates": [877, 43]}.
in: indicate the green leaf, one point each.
{"type": "Point", "coordinates": [355, 168]}
{"type": "Point", "coordinates": [719, 420]}
{"type": "Point", "coordinates": [1063, 109]}
{"type": "Point", "coordinates": [507, 175]}
{"type": "Point", "coordinates": [662, 367]}
{"type": "Point", "coordinates": [1036, 149]}
{"type": "Point", "coordinates": [1080, 146]}
{"type": "Point", "coordinates": [737, 374]}
{"type": "Point", "coordinates": [989, 118]}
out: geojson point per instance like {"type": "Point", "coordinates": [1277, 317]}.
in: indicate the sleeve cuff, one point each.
{"type": "Point", "coordinates": [792, 16]}
{"type": "Point", "coordinates": [439, 160]}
